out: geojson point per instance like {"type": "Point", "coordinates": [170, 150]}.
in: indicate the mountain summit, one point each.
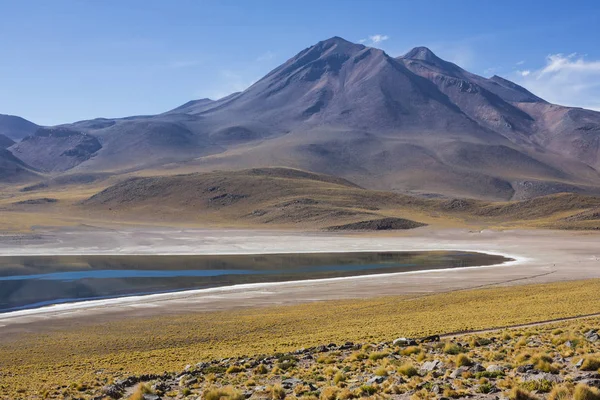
{"type": "Point", "coordinates": [414, 123]}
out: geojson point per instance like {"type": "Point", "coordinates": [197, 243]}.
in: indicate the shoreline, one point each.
{"type": "Point", "coordinates": [126, 299]}
{"type": "Point", "coordinates": [539, 257]}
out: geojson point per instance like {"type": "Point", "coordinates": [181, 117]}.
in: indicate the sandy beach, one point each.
{"type": "Point", "coordinates": [540, 256]}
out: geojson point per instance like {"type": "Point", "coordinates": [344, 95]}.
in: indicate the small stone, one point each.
{"type": "Point", "coordinates": [404, 342]}
{"type": "Point", "coordinates": [494, 368]}
{"type": "Point", "coordinates": [112, 391]}
{"type": "Point", "coordinates": [375, 379]}
{"type": "Point", "coordinates": [477, 368]}
{"type": "Point", "coordinates": [431, 365]}
{"type": "Point", "coordinates": [457, 373]}
{"type": "Point", "coordinates": [291, 383]}
{"type": "Point", "coordinates": [525, 368]}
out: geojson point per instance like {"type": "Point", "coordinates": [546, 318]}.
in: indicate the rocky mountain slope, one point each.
{"type": "Point", "coordinates": [16, 128]}
{"type": "Point", "coordinates": [413, 124]}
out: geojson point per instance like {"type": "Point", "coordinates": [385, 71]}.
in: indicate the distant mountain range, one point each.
{"type": "Point", "coordinates": [414, 124]}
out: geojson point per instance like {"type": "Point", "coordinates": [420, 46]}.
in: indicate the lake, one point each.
{"type": "Point", "coordinates": [35, 281]}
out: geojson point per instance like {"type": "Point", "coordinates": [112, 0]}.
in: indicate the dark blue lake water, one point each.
{"type": "Point", "coordinates": [27, 282]}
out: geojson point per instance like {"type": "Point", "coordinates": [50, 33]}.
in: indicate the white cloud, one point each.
{"type": "Point", "coordinates": [520, 62]}
{"type": "Point", "coordinates": [565, 79]}
{"type": "Point", "coordinates": [378, 38]}
{"type": "Point", "coordinates": [374, 39]}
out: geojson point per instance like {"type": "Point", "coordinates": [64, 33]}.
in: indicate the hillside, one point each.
{"type": "Point", "coordinates": [286, 197]}
{"type": "Point", "coordinates": [412, 124]}
{"type": "Point", "coordinates": [16, 128]}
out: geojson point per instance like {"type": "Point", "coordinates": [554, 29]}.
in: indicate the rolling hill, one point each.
{"type": "Point", "coordinates": [414, 124]}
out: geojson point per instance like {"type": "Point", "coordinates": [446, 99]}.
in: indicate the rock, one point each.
{"type": "Point", "coordinates": [431, 365]}
{"type": "Point", "coordinates": [543, 376]}
{"type": "Point", "coordinates": [291, 383]}
{"type": "Point", "coordinates": [525, 368]}
{"type": "Point", "coordinates": [477, 368]}
{"type": "Point", "coordinates": [375, 379]}
{"type": "Point", "coordinates": [187, 380]}
{"type": "Point", "coordinates": [112, 391]}
{"type": "Point", "coordinates": [347, 346]}
{"type": "Point", "coordinates": [160, 386]}
{"type": "Point", "coordinates": [322, 349]}
{"type": "Point", "coordinates": [152, 397]}
{"type": "Point", "coordinates": [591, 382]}
{"type": "Point", "coordinates": [457, 373]}
{"type": "Point", "coordinates": [494, 368]}
{"type": "Point", "coordinates": [404, 342]}
{"type": "Point", "coordinates": [579, 363]}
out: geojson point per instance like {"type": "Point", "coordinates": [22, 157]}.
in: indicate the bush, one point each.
{"type": "Point", "coordinates": [584, 392]}
{"type": "Point", "coordinates": [368, 390]}
{"type": "Point", "coordinates": [277, 392]}
{"type": "Point", "coordinates": [521, 394]}
{"type": "Point", "coordinates": [408, 370]}
{"type": "Point", "coordinates": [329, 393]}
{"type": "Point", "coordinates": [560, 393]}
{"type": "Point", "coordinates": [452, 348]}
{"type": "Point", "coordinates": [377, 355]}
{"type": "Point", "coordinates": [381, 371]}
{"type": "Point", "coordinates": [234, 369]}
{"type": "Point", "coordinates": [339, 377]}
{"type": "Point", "coordinates": [542, 386]}
{"type": "Point", "coordinates": [261, 369]}
{"type": "Point", "coordinates": [463, 361]}
{"type": "Point", "coordinates": [228, 393]}
{"type": "Point", "coordinates": [590, 364]}
{"type": "Point", "coordinates": [410, 350]}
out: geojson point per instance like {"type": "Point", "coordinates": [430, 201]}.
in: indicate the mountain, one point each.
{"type": "Point", "coordinates": [5, 142]}
{"type": "Point", "coordinates": [414, 124]}
{"type": "Point", "coordinates": [16, 128]}
{"type": "Point", "coordinates": [13, 170]}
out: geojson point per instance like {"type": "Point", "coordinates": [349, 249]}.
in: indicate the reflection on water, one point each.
{"type": "Point", "coordinates": [27, 282]}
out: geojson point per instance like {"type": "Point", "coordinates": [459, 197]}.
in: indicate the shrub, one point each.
{"type": "Point", "coordinates": [368, 390]}
{"type": "Point", "coordinates": [410, 350]}
{"type": "Point", "coordinates": [584, 392]}
{"type": "Point", "coordinates": [521, 394]}
{"type": "Point", "coordinates": [463, 361]}
{"type": "Point", "coordinates": [408, 370]}
{"type": "Point", "coordinates": [542, 386]}
{"type": "Point", "coordinates": [381, 371]}
{"type": "Point", "coordinates": [234, 369]}
{"type": "Point", "coordinates": [261, 369]}
{"type": "Point", "coordinates": [590, 364]}
{"type": "Point", "coordinates": [357, 356]}
{"type": "Point", "coordinates": [560, 393]}
{"type": "Point", "coordinates": [329, 393]}
{"type": "Point", "coordinates": [277, 392]}
{"type": "Point", "coordinates": [377, 355]}
{"type": "Point", "coordinates": [339, 377]}
{"type": "Point", "coordinates": [489, 374]}
{"type": "Point", "coordinates": [139, 392]}
{"type": "Point", "coordinates": [325, 360]}
{"type": "Point", "coordinates": [485, 388]}
{"type": "Point", "coordinates": [228, 393]}
{"type": "Point", "coordinates": [452, 348]}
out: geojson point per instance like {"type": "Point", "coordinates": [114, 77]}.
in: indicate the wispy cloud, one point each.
{"type": "Point", "coordinates": [269, 55]}
{"type": "Point", "coordinates": [374, 39]}
{"type": "Point", "coordinates": [520, 62]}
{"type": "Point", "coordinates": [228, 82]}
{"type": "Point", "coordinates": [565, 79]}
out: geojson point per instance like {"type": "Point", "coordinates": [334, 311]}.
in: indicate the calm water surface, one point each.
{"type": "Point", "coordinates": [34, 281]}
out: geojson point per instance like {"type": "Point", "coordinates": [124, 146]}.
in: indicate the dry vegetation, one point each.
{"type": "Point", "coordinates": [78, 362]}
{"type": "Point", "coordinates": [274, 197]}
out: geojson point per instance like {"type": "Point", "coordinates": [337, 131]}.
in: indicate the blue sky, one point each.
{"type": "Point", "coordinates": [64, 61]}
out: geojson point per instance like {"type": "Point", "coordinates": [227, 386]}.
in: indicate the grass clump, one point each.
{"type": "Point", "coordinates": [139, 392]}
{"type": "Point", "coordinates": [234, 369]}
{"type": "Point", "coordinates": [261, 370]}
{"type": "Point", "coordinates": [377, 355]}
{"type": "Point", "coordinates": [560, 393]}
{"type": "Point", "coordinates": [452, 348]}
{"type": "Point", "coordinates": [541, 386]}
{"type": "Point", "coordinates": [463, 361]}
{"type": "Point", "coordinates": [408, 370]}
{"type": "Point", "coordinates": [584, 392]}
{"type": "Point", "coordinates": [518, 393]}
{"type": "Point", "coordinates": [368, 390]}
{"type": "Point", "coordinates": [590, 363]}
{"type": "Point", "coordinates": [224, 393]}
{"type": "Point", "coordinates": [410, 350]}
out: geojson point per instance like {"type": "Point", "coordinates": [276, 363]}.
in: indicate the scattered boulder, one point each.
{"type": "Point", "coordinates": [431, 365]}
